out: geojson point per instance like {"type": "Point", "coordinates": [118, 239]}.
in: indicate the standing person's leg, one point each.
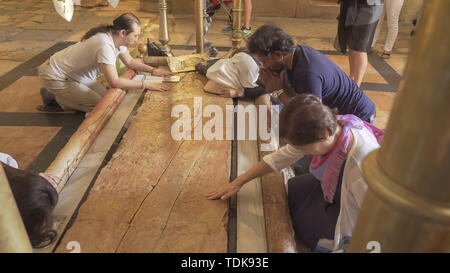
{"type": "Point", "coordinates": [247, 16]}
{"type": "Point", "coordinates": [361, 26]}
{"type": "Point", "coordinates": [379, 26]}
{"type": "Point", "coordinates": [358, 65]}
{"type": "Point", "coordinates": [393, 8]}
{"type": "Point", "coordinates": [229, 28]}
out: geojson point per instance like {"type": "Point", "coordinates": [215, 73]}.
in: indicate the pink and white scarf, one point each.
{"type": "Point", "coordinates": [327, 167]}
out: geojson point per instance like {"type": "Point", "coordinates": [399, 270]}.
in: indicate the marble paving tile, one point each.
{"type": "Point", "coordinates": [397, 62]}
{"type": "Point", "coordinates": [316, 43]}
{"type": "Point", "coordinates": [21, 96]}
{"type": "Point", "coordinates": [383, 102]}
{"type": "Point", "coordinates": [5, 20]}
{"type": "Point", "coordinates": [51, 22]}
{"type": "Point", "coordinates": [14, 18]}
{"type": "Point", "coordinates": [33, 21]}
{"type": "Point", "coordinates": [22, 50]}
{"type": "Point", "coordinates": [307, 28]}
{"type": "Point", "coordinates": [8, 33]}
{"type": "Point", "coordinates": [6, 66]}
{"type": "Point", "coordinates": [40, 35]}
{"type": "Point", "coordinates": [25, 143]}
{"type": "Point", "coordinates": [76, 36]}
{"type": "Point", "coordinates": [371, 74]}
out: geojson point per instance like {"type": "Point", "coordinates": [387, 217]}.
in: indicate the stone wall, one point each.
{"type": "Point", "coordinates": [322, 9]}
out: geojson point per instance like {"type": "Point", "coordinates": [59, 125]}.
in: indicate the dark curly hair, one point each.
{"type": "Point", "coordinates": [269, 38]}
{"type": "Point", "coordinates": [35, 198]}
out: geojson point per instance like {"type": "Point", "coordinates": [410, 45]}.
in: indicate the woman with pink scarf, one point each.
{"type": "Point", "coordinates": [324, 203]}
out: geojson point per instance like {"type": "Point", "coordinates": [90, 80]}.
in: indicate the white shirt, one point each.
{"type": "Point", "coordinates": [353, 186]}
{"type": "Point", "coordinates": [80, 62]}
{"type": "Point", "coordinates": [8, 160]}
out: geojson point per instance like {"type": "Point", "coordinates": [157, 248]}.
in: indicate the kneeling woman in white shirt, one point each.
{"type": "Point", "coordinates": [325, 202]}
{"type": "Point", "coordinates": [70, 75]}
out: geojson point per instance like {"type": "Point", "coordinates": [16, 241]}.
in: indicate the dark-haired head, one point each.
{"type": "Point", "coordinates": [269, 38]}
{"type": "Point", "coordinates": [35, 198]}
{"type": "Point", "coordinates": [126, 21]}
{"type": "Point", "coordinates": [270, 45]}
{"type": "Point", "coordinates": [305, 120]}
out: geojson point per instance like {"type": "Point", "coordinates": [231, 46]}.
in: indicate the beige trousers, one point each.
{"type": "Point", "coordinates": [71, 94]}
{"type": "Point", "coordinates": [392, 9]}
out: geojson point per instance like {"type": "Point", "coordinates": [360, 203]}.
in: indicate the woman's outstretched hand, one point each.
{"type": "Point", "coordinates": [223, 192]}
{"type": "Point", "coordinates": [161, 87]}
{"type": "Point", "coordinates": [161, 72]}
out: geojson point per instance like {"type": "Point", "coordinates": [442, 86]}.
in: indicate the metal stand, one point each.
{"type": "Point", "coordinates": [163, 31]}
{"type": "Point", "coordinates": [203, 22]}
{"type": "Point", "coordinates": [236, 37]}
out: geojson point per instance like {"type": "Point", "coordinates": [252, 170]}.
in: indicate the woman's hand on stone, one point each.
{"type": "Point", "coordinates": [161, 87]}
{"type": "Point", "coordinates": [161, 72]}
{"type": "Point", "coordinates": [223, 192]}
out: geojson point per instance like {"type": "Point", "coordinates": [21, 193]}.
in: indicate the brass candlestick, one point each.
{"type": "Point", "coordinates": [163, 30]}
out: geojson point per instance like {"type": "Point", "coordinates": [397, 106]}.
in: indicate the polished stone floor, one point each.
{"type": "Point", "coordinates": [31, 30]}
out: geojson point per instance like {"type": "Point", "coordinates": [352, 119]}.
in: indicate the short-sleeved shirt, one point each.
{"type": "Point", "coordinates": [80, 62]}
{"type": "Point", "coordinates": [353, 188]}
{"type": "Point", "coordinates": [313, 73]}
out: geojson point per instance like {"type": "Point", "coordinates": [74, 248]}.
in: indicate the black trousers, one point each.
{"type": "Point", "coordinates": [313, 218]}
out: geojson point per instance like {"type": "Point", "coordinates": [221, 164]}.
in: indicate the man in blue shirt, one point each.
{"type": "Point", "coordinates": [289, 70]}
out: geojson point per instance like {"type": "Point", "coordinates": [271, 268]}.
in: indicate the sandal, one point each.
{"type": "Point", "coordinates": [386, 55]}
